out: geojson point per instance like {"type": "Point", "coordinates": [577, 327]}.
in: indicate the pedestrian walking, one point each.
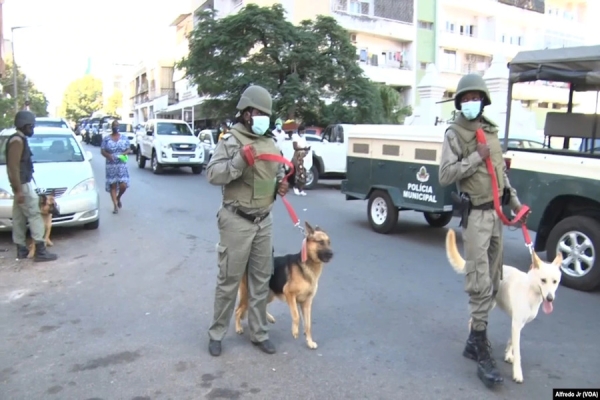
{"type": "Point", "coordinates": [26, 202]}
{"type": "Point", "coordinates": [115, 148]}
{"type": "Point", "coordinates": [244, 218]}
{"type": "Point", "coordinates": [302, 160]}
{"type": "Point", "coordinates": [279, 133]}
{"type": "Point", "coordinates": [463, 163]}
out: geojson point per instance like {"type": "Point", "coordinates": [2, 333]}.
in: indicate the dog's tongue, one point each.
{"type": "Point", "coordinates": [547, 306]}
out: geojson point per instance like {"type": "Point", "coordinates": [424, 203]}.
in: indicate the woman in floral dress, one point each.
{"type": "Point", "coordinates": [117, 175]}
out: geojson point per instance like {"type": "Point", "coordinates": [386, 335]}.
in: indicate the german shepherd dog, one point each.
{"type": "Point", "coordinates": [48, 209]}
{"type": "Point", "coordinates": [295, 280]}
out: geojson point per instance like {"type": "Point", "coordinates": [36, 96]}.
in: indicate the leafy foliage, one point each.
{"type": "Point", "coordinates": [114, 103]}
{"type": "Point", "coordinates": [38, 103]}
{"type": "Point", "coordinates": [310, 69]}
{"type": "Point", "coordinates": [82, 97]}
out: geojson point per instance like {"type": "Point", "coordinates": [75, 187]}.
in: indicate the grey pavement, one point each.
{"type": "Point", "coordinates": [123, 314]}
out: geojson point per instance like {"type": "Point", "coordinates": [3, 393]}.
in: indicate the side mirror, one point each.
{"type": "Point", "coordinates": [206, 141]}
{"type": "Point", "coordinates": [324, 140]}
{"type": "Point", "coordinates": [149, 133]}
{"type": "Point", "coordinates": [89, 155]}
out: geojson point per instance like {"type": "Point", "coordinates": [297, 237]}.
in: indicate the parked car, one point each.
{"type": "Point", "coordinates": [516, 143]}
{"type": "Point", "coordinates": [61, 166]}
{"type": "Point", "coordinates": [208, 141]}
{"type": "Point", "coordinates": [169, 143]}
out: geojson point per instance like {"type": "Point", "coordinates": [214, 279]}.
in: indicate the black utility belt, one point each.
{"type": "Point", "coordinates": [484, 207]}
{"type": "Point", "coordinates": [255, 219]}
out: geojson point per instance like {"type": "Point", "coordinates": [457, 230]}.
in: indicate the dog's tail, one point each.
{"type": "Point", "coordinates": [454, 257]}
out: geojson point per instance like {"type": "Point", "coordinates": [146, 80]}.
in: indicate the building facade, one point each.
{"type": "Point", "coordinates": [151, 91]}
{"type": "Point", "coordinates": [396, 39]}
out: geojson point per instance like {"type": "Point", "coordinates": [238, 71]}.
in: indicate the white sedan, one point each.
{"type": "Point", "coordinates": [62, 166]}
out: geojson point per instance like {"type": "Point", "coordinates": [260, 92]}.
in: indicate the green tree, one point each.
{"type": "Point", "coordinates": [302, 66]}
{"type": "Point", "coordinates": [114, 103]}
{"type": "Point", "coordinates": [37, 100]}
{"type": "Point", "coordinates": [82, 97]}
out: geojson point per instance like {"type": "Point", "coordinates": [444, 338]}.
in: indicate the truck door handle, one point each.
{"type": "Point", "coordinates": [380, 163]}
{"type": "Point", "coordinates": [414, 168]}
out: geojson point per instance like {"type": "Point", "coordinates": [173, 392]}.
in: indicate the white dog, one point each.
{"type": "Point", "coordinates": [519, 295]}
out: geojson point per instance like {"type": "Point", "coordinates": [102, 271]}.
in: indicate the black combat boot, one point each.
{"type": "Point", "coordinates": [478, 348]}
{"type": "Point", "coordinates": [22, 252]}
{"type": "Point", "coordinates": [41, 254]}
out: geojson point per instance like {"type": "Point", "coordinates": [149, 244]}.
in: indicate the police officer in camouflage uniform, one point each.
{"type": "Point", "coordinates": [463, 163]}
{"type": "Point", "coordinates": [244, 219]}
{"type": "Point", "coordinates": [26, 203]}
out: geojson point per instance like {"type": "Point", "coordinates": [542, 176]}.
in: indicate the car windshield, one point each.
{"type": "Point", "coordinates": [123, 128]}
{"type": "Point", "coordinates": [50, 124]}
{"type": "Point", "coordinates": [49, 149]}
{"type": "Point", "coordinates": [173, 128]}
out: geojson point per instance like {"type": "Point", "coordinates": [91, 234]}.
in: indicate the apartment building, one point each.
{"type": "Point", "coordinates": [396, 39]}
{"type": "Point", "coordinates": [151, 90]}
{"type": "Point", "coordinates": [462, 37]}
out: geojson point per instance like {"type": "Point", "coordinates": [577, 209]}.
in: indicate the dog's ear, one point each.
{"type": "Point", "coordinates": [43, 198]}
{"type": "Point", "coordinates": [309, 229]}
{"type": "Point", "coordinates": [535, 261]}
{"type": "Point", "coordinates": [53, 193]}
{"type": "Point", "coordinates": [558, 260]}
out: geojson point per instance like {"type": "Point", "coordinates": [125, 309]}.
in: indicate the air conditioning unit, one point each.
{"type": "Point", "coordinates": [353, 38]}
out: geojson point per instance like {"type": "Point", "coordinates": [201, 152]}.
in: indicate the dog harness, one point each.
{"type": "Point", "coordinates": [480, 135]}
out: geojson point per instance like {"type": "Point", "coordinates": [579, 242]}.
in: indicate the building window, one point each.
{"type": "Point", "coordinates": [361, 7]}
{"type": "Point", "coordinates": [422, 65]}
{"type": "Point", "coordinates": [449, 27]}
{"type": "Point", "coordinates": [449, 60]}
{"type": "Point", "coordinates": [543, 105]}
{"type": "Point", "coordinates": [425, 25]}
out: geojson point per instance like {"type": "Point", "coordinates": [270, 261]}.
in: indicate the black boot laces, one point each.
{"type": "Point", "coordinates": [485, 353]}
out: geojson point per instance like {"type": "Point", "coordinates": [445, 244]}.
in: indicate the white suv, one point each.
{"type": "Point", "coordinates": [169, 143]}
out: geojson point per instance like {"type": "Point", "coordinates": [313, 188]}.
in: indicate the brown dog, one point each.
{"type": "Point", "coordinates": [294, 281]}
{"type": "Point", "coordinates": [47, 208]}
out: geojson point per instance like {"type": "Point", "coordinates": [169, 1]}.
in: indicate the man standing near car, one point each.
{"type": "Point", "coordinates": [244, 219]}
{"type": "Point", "coordinates": [26, 203]}
{"type": "Point", "coordinates": [463, 163]}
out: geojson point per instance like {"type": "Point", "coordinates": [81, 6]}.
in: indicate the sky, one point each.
{"type": "Point", "coordinates": [60, 35]}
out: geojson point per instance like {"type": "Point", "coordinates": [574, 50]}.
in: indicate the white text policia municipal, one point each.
{"type": "Point", "coordinates": [416, 191]}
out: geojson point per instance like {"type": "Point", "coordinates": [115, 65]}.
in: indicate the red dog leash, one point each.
{"type": "Point", "coordinates": [480, 136]}
{"type": "Point", "coordinates": [250, 158]}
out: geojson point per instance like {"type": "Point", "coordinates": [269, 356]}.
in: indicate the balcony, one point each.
{"type": "Point", "coordinates": [497, 8]}
{"type": "Point", "coordinates": [396, 77]}
{"type": "Point", "coordinates": [475, 45]}
{"type": "Point", "coordinates": [368, 22]}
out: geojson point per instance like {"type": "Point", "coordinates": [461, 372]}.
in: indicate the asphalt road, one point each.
{"type": "Point", "coordinates": [123, 314]}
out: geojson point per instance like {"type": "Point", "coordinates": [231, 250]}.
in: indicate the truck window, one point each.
{"type": "Point", "coordinates": [327, 134]}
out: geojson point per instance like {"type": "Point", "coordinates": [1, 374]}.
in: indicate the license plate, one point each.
{"type": "Point", "coordinates": [184, 159]}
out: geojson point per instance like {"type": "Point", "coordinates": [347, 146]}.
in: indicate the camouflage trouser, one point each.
{"type": "Point", "coordinates": [29, 211]}
{"type": "Point", "coordinates": [243, 246]}
{"type": "Point", "coordinates": [483, 270]}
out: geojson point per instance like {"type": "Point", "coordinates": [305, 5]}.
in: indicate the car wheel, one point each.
{"type": "Point", "coordinates": [197, 169]}
{"type": "Point", "coordinates": [438, 220]}
{"type": "Point", "coordinates": [156, 167]}
{"type": "Point", "coordinates": [382, 212]}
{"type": "Point", "coordinates": [141, 160]}
{"type": "Point", "coordinates": [92, 225]}
{"type": "Point", "coordinates": [578, 239]}
{"type": "Point", "coordinates": [312, 177]}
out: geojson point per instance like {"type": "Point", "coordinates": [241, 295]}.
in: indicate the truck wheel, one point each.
{"type": "Point", "coordinates": [438, 220]}
{"type": "Point", "coordinates": [382, 213]}
{"type": "Point", "coordinates": [197, 169]}
{"type": "Point", "coordinates": [312, 177]}
{"type": "Point", "coordinates": [578, 239]}
{"type": "Point", "coordinates": [156, 167]}
{"type": "Point", "coordinates": [141, 160]}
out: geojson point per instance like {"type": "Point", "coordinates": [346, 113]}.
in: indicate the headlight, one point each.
{"type": "Point", "coordinates": [85, 186]}
{"type": "Point", "coordinates": [4, 195]}
{"type": "Point", "coordinates": [165, 146]}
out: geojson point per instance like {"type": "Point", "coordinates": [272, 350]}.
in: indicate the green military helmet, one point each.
{"type": "Point", "coordinates": [278, 121]}
{"type": "Point", "coordinates": [256, 97]}
{"type": "Point", "coordinates": [471, 83]}
{"type": "Point", "coordinates": [23, 118]}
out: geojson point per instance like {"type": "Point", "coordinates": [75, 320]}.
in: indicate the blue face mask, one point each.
{"type": "Point", "coordinates": [471, 109]}
{"type": "Point", "coordinates": [260, 124]}
{"type": "Point", "coordinates": [278, 126]}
